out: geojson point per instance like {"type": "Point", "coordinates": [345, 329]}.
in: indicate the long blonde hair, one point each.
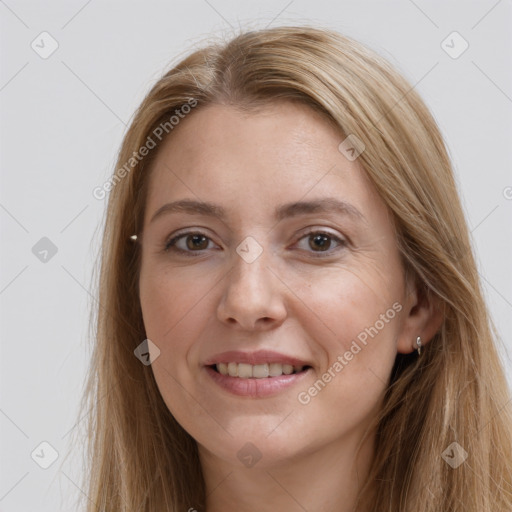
{"type": "Point", "coordinates": [141, 459]}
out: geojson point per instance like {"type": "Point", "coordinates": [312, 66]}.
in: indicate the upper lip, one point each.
{"type": "Point", "coordinates": [253, 358]}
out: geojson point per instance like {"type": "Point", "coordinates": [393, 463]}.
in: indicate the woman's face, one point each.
{"type": "Point", "coordinates": [293, 262]}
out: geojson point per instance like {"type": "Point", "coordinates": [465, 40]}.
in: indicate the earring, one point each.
{"type": "Point", "coordinates": [418, 345]}
{"type": "Point", "coordinates": [133, 238]}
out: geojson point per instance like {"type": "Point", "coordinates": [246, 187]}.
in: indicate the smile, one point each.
{"type": "Point", "coordinates": [258, 371]}
{"type": "Point", "coordinates": [248, 384]}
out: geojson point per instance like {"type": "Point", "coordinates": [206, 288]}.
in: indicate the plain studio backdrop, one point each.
{"type": "Point", "coordinates": [72, 74]}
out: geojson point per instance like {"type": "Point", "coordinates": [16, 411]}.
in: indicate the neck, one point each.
{"type": "Point", "coordinates": [325, 479]}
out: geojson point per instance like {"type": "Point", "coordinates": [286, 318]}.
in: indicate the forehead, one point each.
{"type": "Point", "coordinates": [256, 160]}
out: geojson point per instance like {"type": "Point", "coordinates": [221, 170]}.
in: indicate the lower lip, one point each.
{"type": "Point", "coordinates": [256, 388]}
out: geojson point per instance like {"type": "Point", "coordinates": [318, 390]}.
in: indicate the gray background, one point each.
{"type": "Point", "coordinates": [62, 121]}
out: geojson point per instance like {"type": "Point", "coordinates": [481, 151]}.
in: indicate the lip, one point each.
{"type": "Point", "coordinates": [256, 388]}
{"type": "Point", "coordinates": [256, 357]}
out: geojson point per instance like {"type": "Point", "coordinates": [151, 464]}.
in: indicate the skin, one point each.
{"type": "Point", "coordinates": [286, 300]}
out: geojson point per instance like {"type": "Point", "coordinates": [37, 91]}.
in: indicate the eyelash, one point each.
{"type": "Point", "coordinates": [169, 244]}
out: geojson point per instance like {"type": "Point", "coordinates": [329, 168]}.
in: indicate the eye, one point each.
{"type": "Point", "coordinates": [191, 241]}
{"type": "Point", "coordinates": [318, 242]}
{"type": "Point", "coordinates": [322, 242]}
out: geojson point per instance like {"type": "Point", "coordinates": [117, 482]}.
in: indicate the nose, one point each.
{"type": "Point", "coordinates": [252, 297]}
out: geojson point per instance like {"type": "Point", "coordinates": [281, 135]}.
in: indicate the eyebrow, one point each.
{"type": "Point", "coordinates": [324, 205]}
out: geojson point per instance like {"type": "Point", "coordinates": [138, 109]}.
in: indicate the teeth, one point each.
{"type": "Point", "coordinates": [233, 369]}
{"type": "Point", "coordinates": [258, 371]}
{"type": "Point", "coordinates": [275, 369]}
{"type": "Point", "coordinates": [244, 371]}
{"type": "Point", "coordinates": [287, 369]}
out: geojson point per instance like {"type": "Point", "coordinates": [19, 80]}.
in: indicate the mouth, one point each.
{"type": "Point", "coordinates": [257, 381]}
{"type": "Point", "coordinates": [258, 371]}
{"type": "Point", "coordinates": [258, 374]}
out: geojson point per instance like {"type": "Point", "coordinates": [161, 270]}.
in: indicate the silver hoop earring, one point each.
{"type": "Point", "coordinates": [418, 345]}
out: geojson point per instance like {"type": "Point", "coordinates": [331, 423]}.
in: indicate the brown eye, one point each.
{"type": "Point", "coordinates": [320, 241]}
{"type": "Point", "coordinates": [193, 242]}
{"type": "Point", "coordinates": [196, 242]}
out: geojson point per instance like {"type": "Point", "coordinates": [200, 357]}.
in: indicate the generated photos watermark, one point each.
{"type": "Point", "coordinates": [158, 133]}
{"type": "Point", "coordinates": [305, 397]}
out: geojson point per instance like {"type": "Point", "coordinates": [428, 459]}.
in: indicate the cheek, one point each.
{"type": "Point", "coordinates": [356, 326]}
{"type": "Point", "coordinates": [358, 353]}
{"type": "Point", "coordinates": [174, 314]}
{"type": "Point", "coordinates": [168, 301]}
{"type": "Point", "coordinates": [352, 305]}
{"type": "Point", "coordinates": [169, 308]}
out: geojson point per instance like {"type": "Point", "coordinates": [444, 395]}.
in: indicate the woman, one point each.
{"type": "Point", "coordinates": [290, 312]}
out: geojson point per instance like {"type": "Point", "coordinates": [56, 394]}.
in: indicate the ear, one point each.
{"type": "Point", "coordinates": [423, 317]}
